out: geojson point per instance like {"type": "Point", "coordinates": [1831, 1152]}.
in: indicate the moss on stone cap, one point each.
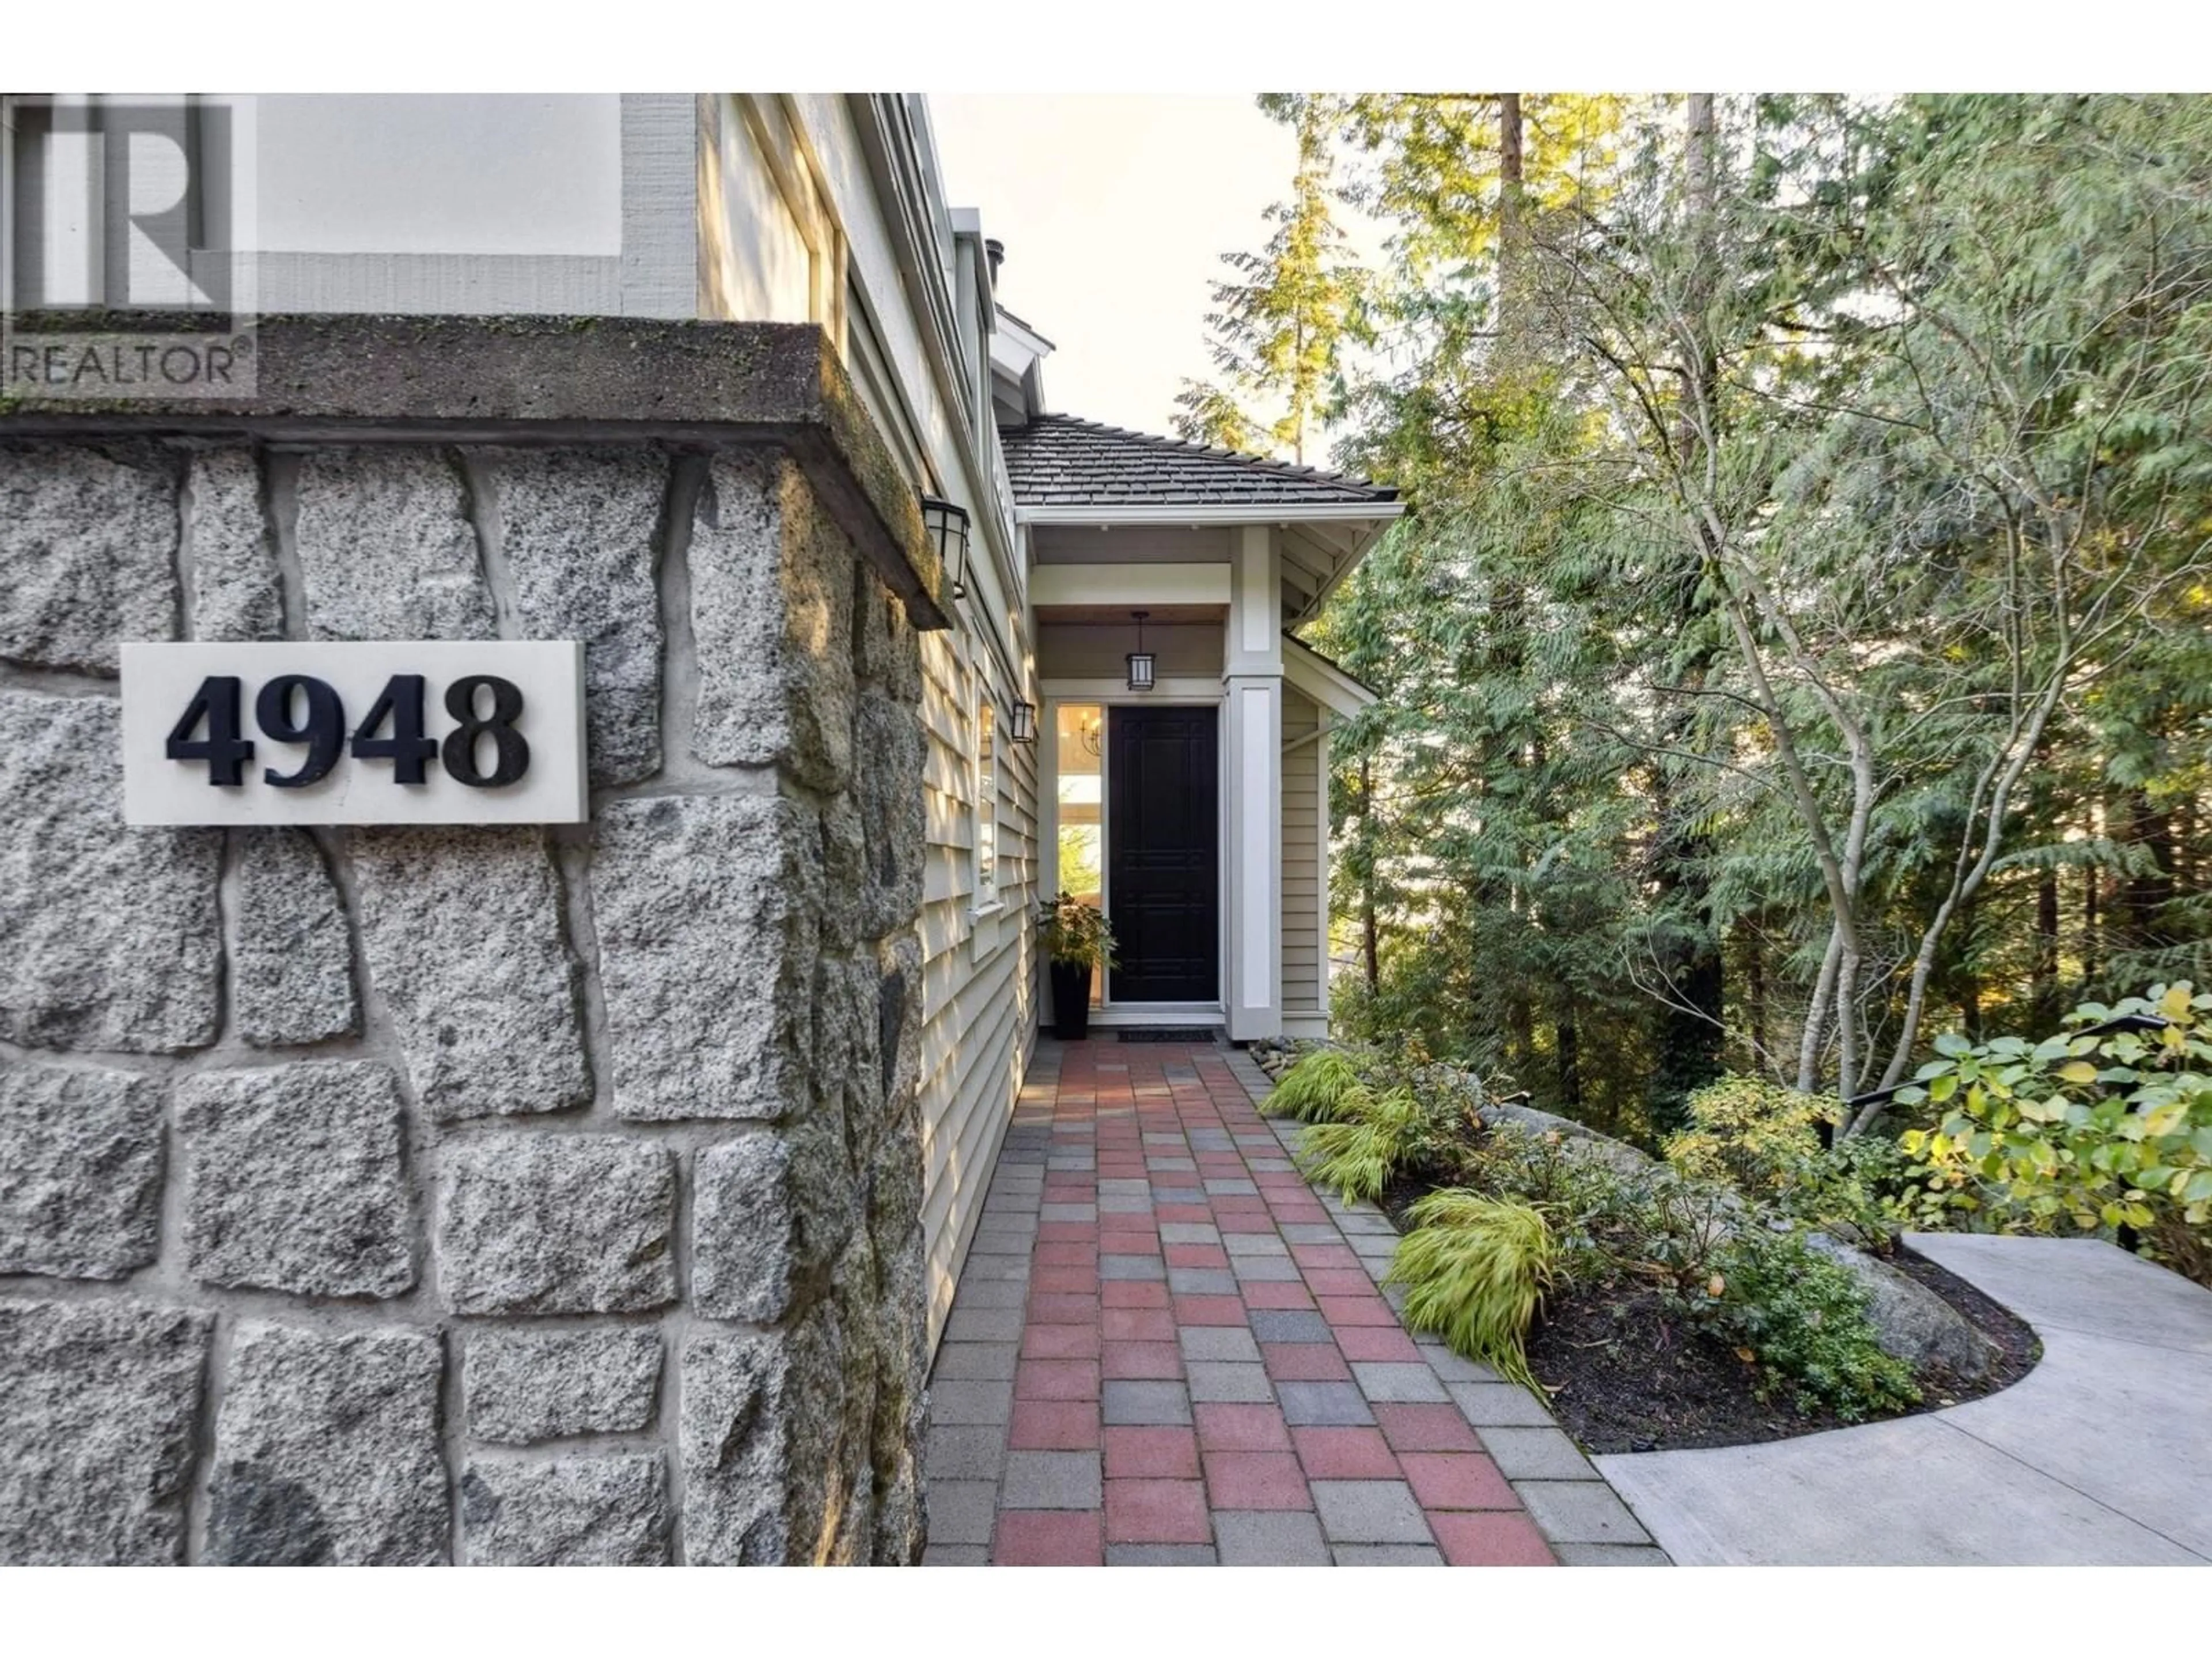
{"type": "Point", "coordinates": [360, 377]}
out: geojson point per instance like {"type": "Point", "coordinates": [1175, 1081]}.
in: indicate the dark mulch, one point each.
{"type": "Point", "coordinates": [1624, 1376]}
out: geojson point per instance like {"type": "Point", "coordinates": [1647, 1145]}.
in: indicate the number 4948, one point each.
{"type": "Point", "coordinates": [300, 709]}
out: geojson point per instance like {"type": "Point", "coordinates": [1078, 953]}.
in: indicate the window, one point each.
{"type": "Point", "coordinates": [986, 798]}
{"type": "Point", "coordinates": [1079, 800]}
{"type": "Point", "coordinates": [777, 253]}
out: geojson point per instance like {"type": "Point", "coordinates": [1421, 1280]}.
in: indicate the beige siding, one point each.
{"type": "Point", "coordinates": [978, 1024]}
{"type": "Point", "coordinates": [1304, 840]}
{"type": "Point", "coordinates": [1100, 650]}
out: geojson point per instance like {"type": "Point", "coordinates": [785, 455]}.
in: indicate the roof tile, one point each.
{"type": "Point", "coordinates": [1058, 460]}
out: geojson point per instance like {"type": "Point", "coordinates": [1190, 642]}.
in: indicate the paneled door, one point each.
{"type": "Point", "coordinates": [1164, 888]}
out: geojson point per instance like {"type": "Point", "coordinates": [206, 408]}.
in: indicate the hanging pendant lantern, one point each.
{"type": "Point", "coordinates": [1140, 660]}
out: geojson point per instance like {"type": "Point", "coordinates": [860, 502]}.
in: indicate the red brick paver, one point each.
{"type": "Point", "coordinates": [1167, 1356]}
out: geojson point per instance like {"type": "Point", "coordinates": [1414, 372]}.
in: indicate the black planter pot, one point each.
{"type": "Point", "coordinates": [1071, 1000]}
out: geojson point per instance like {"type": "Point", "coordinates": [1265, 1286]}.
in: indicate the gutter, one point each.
{"type": "Point", "coordinates": [1107, 514]}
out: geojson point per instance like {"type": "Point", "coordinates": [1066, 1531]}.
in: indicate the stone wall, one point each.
{"type": "Point", "coordinates": [501, 1196]}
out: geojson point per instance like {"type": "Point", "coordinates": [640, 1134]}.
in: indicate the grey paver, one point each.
{"type": "Point", "coordinates": [1310, 1232]}
{"type": "Point", "coordinates": [1388, 1555]}
{"type": "Point", "coordinates": [983, 1324]}
{"type": "Point", "coordinates": [1231, 1186]}
{"type": "Point", "coordinates": [1217, 1342]}
{"type": "Point", "coordinates": [1256, 1244]}
{"type": "Point", "coordinates": [1190, 1232]}
{"type": "Point", "coordinates": [961, 1511]}
{"type": "Point", "coordinates": [964, 1451]}
{"type": "Point", "coordinates": [1165, 1403]}
{"type": "Point", "coordinates": [1132, 1267]}
{"type": "Point", "coordinates": [1161, 1555]}
{"type": "Point", "coordinates": [1500, 1404]}
{"type": "Point", "coordinates": [1536, 1455]}
{"type": "Point", "coordinates": [1069, 1212]}
{"type": "Point", "coordinates": [1370, 1513]}
{"type": "Point", "coordinates": [1202, 1281]}
{"type": "Point", "coordinates": [1290, 1325]}
{"type": "Point", "coordinates": [1053, 1480]}
{"type": "Point", "coordinates": [1216, 1380]}
{"type": "Point", "coordinates": [1124, 1204]}
{"type": "Point", "coordinates": [986, 1362]}
{"type": "Point", "coordinates": [1580, 1512]}
{"type": "Point", "coordinates": [1612, 1555]}
{"type": "Point", "coordinates": [1355, 1224]}
{"type": "Point", "coordinates": [971, 1402]}
{"type": "Point", "coordinates": [956, 1555]}
{"type": "Point", "coordinates": [995, 1269]}
{"type": "Point", "coordinates": [1269, 1538]}
{"type": "Point", "coordinates": [991, 1295]}
{"type": "Point", "coordinates": [1332, 1404]}
{"type": "Point", "coordinates": [1398, 1381]}
{"type": "Point", "coordinates": [1455, 1368]}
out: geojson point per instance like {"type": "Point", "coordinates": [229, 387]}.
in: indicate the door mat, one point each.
{"type": "Point", "coordinates": [1206, 1034]}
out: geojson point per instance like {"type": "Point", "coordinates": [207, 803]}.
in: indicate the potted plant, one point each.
{"type": "Point", "coordinates": [1077, 943]}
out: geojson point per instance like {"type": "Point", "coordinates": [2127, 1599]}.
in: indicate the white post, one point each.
{"type": "Point", "coordinates": [1253, 880]}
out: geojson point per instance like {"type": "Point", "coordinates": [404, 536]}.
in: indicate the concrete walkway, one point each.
{"type": "Point", "coordinates": [2101, 1454]}
{"type": "Point", "coordinates": [1166, 1349]}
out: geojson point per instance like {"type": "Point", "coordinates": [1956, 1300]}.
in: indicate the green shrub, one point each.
{"type": "Point", "coordinates": [1764, 1141]}
{"type": "Point", "coordinates": [2099, 1129]}
{"type": "Point", "coordinates": [1801, 1317]}
{"type": "Point", "coordinates": [1473, 1269]}
{"type": "Point", "coordinates": [1658, 1226]}
{"type": "Point", "coordinates": [1318, 1087]}
{"type": "Point", "coordinates": [1757, 1136]}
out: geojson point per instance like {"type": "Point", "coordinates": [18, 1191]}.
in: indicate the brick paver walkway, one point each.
{"type": "Point", "coordinates": [1165, 1348]}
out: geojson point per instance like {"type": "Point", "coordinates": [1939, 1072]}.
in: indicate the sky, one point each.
{"type": "Point", "coordinates": [1116, 212]}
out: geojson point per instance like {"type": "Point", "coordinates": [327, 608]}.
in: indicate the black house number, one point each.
{"type": "Point", "coordinates": [300, 709]}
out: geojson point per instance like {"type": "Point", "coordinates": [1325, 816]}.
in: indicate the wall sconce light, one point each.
{"type": "Point", "coordinates": [947, 525]}
{"type": "Point", "coordinates": [1024, 722]}
{"type": "Point", "coordinates": [1140, 660]}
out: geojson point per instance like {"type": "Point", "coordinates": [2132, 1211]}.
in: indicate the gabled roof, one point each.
{"type": "Point", "coordinates": [1057, 460]}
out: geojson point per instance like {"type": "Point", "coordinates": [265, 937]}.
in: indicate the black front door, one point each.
{"type": "Point", "coordinates": [1162, 854]}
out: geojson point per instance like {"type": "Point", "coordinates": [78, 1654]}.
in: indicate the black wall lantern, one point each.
{"type": "Point", "coordinates": [1024, 722]}
{"type": "Point", "coordinates": [947, 525]}
{"type": "Point", "coordinates": [1140, 660]}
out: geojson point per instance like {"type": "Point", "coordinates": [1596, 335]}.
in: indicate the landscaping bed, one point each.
{"type": "Point", "coordinates": [1749, 1287]}
{"type": "Point", "coordinates": [1622, 1374]}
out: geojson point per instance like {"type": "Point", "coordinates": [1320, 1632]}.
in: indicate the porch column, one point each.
{"type": "Point", "coordinates": [1252, 665]}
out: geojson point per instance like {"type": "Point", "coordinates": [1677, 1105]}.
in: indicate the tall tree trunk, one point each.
{"type": "Point", "coordinates": [1512, 226]}
{"type": "Point", "coordinates": [2043, 995]}
{"type": "Point", "coordinates": [1568, 1034]}
{"type": "Point", "coordinates": [1754, 971]}
{"type": "Point", "coordinates": [1693, 1023]}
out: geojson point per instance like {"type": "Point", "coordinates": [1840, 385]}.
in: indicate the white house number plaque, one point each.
{"type": "Point", "coordinates": [426, 732]}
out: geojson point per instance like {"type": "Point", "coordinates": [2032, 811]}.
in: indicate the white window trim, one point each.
{"type": "Point", "coordinates": [984, 805]}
